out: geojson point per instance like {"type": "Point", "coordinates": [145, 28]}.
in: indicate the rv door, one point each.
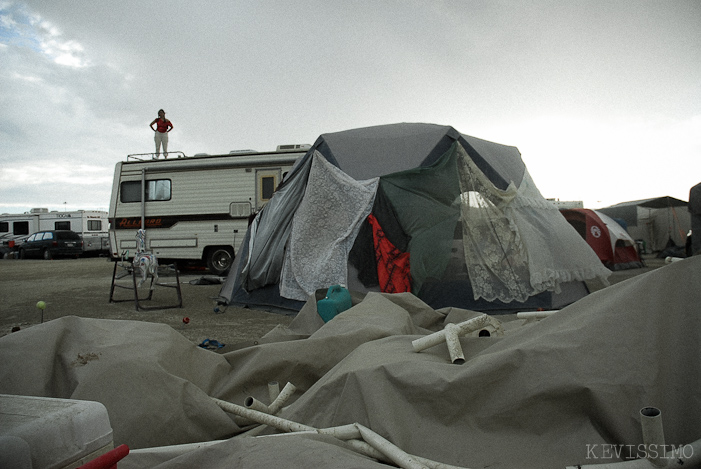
{"type": "Point", "coordinates": [266, 183]}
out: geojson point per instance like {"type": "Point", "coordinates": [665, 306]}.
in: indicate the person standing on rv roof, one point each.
{"type": "Point", "coordinates": [163, 126]}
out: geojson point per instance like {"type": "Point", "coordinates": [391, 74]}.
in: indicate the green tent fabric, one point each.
{"type": "Point", "coordinates": [425, 202]}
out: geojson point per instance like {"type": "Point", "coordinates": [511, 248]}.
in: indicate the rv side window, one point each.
{"type": "Point", "coordinates": [130, 191]}
{"type": "Point", "coordinates": [62, 225]}
{"type": "Point", "coordinates": [4, 227]}
{"type": "Point", "coordinates": [267, 187]}
{"type": "Point", "coordinates": [20, 228]}
{"type": "Point", "coordinates": [94, 225]}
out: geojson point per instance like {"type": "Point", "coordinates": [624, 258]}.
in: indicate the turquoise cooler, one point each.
{"type": "Point", "coordinates": [337, 300]}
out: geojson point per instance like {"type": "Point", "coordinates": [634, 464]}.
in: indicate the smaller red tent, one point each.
{"type": "Point", "coordinates": [607, 238]}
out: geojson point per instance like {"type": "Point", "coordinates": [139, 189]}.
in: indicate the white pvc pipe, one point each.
{"type": "Point", "coordinates": [273, 390]}
{"type": "Point", "coordinates": [343, 432]}
{"type": "Point", "coordinates": [272, 409]}
{"type": "Point", "coordinates": [349, 434]}
{"type": "Point", "coordinates": [373, 445]}
{"type": "Point", "coordinates": [281, 398]}
{"type": "Point", "coordinates": [261, 417]}
{"type": "Point", "coordinates": [653, 434]}
{"type": "Point", "coordinates": [466, 327]}
{"type": "Point", "coordinates": [453, 341]}
{"type": "Point", "coordinates": [535, 314]}
{"type": "Point", "coordinates": [366, 449]}
{"type": "Point", "coordinates": [396, 455]}
{"type": "Point", "coordinates": [253, 403]}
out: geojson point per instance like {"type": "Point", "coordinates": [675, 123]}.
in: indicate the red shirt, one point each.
{"type": "Point", "coordinates": [163, 126]}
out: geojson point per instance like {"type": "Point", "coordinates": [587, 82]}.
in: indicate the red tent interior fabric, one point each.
{"type": "Point", "coordinates": [393, 270]}
{"type": "Point", "coordinates": [614, 251]}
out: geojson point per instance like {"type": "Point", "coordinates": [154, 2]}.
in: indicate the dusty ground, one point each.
{"type": "Point", "coordinates": [81, 287]}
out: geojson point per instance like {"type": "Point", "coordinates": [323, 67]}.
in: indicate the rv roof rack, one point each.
{"type": "Point", "coordinates": [294, 147]}
{"type": "Point", "coordinates": [153, 156]}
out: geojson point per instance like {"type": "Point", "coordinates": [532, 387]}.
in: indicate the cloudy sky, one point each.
{"type": "Point", "coordinates": [602, 97]}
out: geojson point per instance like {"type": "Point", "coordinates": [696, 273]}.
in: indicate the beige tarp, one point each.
{"type": "Point", "coordinates": [562, 391]}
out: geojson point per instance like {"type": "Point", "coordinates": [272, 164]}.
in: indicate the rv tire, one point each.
{"type": "Point", "coordinates": [220, 260]}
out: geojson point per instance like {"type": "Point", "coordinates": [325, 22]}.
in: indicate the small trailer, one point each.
{"type": "Point", "coordinates": [193, 208]}
{"type": "Point", "coordinates": [91, 225]}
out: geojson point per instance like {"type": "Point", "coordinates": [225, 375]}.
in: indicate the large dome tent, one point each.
{"type": "Point", "coordinates": [462, 212]}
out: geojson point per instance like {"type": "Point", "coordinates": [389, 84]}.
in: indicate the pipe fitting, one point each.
{"type": "Point", "coordinates": [653, 435]}
{"type": "Point", "coordinates": [465, 327]}
{"type": "Point", "coordinates": [452, 339]}
{"type": "Point", "coordinates": [252, 403]}
{"type": "Point", "coordinates": [273, 390]}
{"type": "Point", "coordinates": [282, 398]}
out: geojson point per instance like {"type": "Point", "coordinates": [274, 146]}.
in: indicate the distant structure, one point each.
{"type": "Point", "coordinates": [91, 225]}
{"type": "Point", "coordinates": [659, 223]}
{"type": "Point", "coordinates": [567, 204]}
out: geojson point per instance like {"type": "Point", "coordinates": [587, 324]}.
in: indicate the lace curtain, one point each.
{"type": "Point", "coordinates": [495, 256]}
{"type": "Point", "coordinates": [324, 229]}
{"type": "Point", "coordinates": [516, 243]}
{"type": "Point", "coordinates": [557, 253]}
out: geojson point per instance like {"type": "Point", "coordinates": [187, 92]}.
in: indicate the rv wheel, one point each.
{"type": "Point", "coordinates": [220, 260]}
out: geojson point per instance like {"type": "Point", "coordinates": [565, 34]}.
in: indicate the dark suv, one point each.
{"type": "Point", "coordinates": [50, 244]}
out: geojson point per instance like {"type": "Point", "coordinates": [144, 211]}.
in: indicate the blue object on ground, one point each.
{"type": "Point", "coordinates": [211, 344]}
{"type": "Point", "coordinates": [337, 300]}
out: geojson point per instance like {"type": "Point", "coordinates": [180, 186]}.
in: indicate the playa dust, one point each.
{"type": "Point", "coordinates": [81, 287]}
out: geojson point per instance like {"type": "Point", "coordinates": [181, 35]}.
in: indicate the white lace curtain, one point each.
{"type": "Point", "coordinates": [324, 229]}
{"type": "Point", "coordinates": [516, 243]}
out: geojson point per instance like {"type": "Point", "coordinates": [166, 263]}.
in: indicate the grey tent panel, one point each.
{"type": "Point", "coordinates": [503, 160]}
{"type": "Point", "coordinates": [378, 151]}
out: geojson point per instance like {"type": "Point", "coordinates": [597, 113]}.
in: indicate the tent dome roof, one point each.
{"type": "Point", "coordinates": [375, 151]}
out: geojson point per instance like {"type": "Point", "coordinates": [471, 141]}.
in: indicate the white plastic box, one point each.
{"type": "Point", "coordinates": [59, 433]}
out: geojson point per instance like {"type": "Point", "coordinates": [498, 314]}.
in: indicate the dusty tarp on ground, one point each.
{"type": "Point", "coordinates": [548, 394]}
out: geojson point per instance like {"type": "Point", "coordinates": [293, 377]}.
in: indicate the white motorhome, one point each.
{"type": "Point", "coordinates": [195, 208]}
{"type": "Point", "coordinates": [91, 225]}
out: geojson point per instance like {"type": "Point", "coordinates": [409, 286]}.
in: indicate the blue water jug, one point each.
{"type": "Point", "coordinates": [337, 300]}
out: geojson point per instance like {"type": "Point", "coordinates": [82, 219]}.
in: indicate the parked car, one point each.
{"type": "Point", "coordinates": [50, 244]}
